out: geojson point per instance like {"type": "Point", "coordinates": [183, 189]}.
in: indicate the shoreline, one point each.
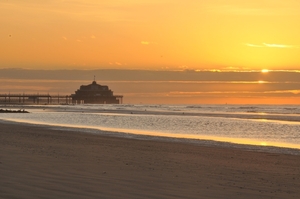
{"type": "Point", "coordinates": [271, 117]}
{"type": "Point", "coordinates": [41, 162]}
{"type": "Point", "coordinates": [196, 141]}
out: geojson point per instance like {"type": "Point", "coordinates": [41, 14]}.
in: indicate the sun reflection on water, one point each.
{"type": "Point", "coordinates": [240, 141]}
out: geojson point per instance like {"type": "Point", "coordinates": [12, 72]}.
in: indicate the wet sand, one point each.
{"type": "Point", "coordinates": [38, 162]}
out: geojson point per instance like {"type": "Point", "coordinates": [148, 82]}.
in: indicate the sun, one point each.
{"type": "Point", "coordinates": [264, 70]}
{"type": "Point", "coordinates": [263, 144]}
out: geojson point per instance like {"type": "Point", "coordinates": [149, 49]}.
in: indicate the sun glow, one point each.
{"type": "Point", "coordinates": [263, 144]}
{"type": "Point", "coordinates": [264, 70]}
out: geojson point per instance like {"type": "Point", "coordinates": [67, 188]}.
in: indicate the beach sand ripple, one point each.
{"type": "Point", "coordinates": [37, 162]}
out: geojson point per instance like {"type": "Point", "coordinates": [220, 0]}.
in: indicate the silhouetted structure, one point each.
{"type": "Point", "coordinates": [13, 111]}
{"type": "Point", "coordinates": [90, 94]}
{"type": "Point", "coordinates": [95, 94]}
{"type": "Point", "coordinates": [34, 99]}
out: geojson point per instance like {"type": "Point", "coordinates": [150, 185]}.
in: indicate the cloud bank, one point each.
{"type": "Point", "coordinates": [267, 45]}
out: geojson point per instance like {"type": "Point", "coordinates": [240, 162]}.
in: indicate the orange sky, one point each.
{"type": "Point", "coordinates": [152, 34]}
{"type": "Point", "coordinates": [198, 35]}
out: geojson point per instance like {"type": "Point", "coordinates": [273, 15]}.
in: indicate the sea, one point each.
{"type": "Point", "coordinates": [266, 128]}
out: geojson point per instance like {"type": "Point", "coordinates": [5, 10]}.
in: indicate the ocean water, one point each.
{"type": "Point", "coordinates": [265, 127]}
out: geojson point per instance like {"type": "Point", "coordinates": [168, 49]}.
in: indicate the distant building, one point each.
{"type": "Point", "coordinates": [95, 94]}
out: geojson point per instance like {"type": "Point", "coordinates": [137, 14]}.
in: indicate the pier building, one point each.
{"type": "Point", "coordinates": [95, 94]}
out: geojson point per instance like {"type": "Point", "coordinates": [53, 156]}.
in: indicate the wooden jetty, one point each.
{"type": "Point", "coordinates": [13, 111]}
{"type": "Point", "coordinates": [35, 99]}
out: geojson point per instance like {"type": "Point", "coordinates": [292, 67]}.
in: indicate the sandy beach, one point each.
{"type": "Point", "coordinates": [38, 162]}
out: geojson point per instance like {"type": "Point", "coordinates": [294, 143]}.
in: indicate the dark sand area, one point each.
{"type": "Point", "coordinates": [38, 162]}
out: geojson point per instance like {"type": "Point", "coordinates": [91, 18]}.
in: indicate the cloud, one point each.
{"type": "Point", "coordinates": [145, 42]}
{"type": "Point", "coordinates": [117, 64]}
{"type": "Point", "coordinates": [279, 46]}
{"type": "Point", "coordinates": [148, 43]}
{"type": "Point", "coordinates": [255, 8]}
{"type": "Point", "coordinates": [238, 10]}
{"type": "Point", "coordinates": [254, 45]}
{"type": "Point", "coordinates": [266, 45]}
{"type": "Point", "coordinates": [296, 92]}
{"type": "Point", "coordinates": [183, 67]}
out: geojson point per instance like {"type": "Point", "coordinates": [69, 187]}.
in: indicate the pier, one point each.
{"type": "Point", "coordinates": [87, 94]}
{"type": "Point", "coordinates": [35, 99]}
{"type": "Point", "coordinates": [42, 99]}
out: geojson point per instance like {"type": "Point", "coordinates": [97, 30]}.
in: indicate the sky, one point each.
{"type": "Point", "coordinates": [155, 35]}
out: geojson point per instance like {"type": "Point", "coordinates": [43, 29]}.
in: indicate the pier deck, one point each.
{"type": "Point", "coordinates": [35, 99]}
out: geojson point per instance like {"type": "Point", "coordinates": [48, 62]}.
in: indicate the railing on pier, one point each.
{"type": "Point", "coordinates": [35, 98]}
{"type": "Point", "coordinates": [42, 99]}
